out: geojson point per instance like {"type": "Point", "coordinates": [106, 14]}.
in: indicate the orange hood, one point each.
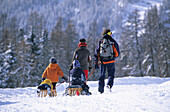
{"type": "Point", "coordinates": [52, 66]}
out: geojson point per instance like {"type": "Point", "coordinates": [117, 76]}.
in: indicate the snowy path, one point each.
{"type": "Point", "coordinates": [129, 94]}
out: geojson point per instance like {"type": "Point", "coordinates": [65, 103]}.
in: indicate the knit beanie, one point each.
{"type": "Point", "coordinates": [53, 60]}
{"type": "Point", "coordinates": [82, 40]}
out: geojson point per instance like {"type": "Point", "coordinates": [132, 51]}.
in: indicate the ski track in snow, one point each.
{"type": "Point", "coordinates": [130, 94]}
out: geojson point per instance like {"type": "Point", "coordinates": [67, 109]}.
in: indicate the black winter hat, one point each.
{"type": "Point", "coordinates": [106, 31]}
{"type": "Point", "coordinates": [82, 40]}
{"type": "Point", "coordinates": [53, 60]}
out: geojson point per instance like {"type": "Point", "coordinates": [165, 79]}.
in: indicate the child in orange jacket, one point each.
{"type": "Point", "coordinates": [52, 72]}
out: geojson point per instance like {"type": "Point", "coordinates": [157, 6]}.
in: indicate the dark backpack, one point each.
{"type": "Point", "coordinates": [106, 49]}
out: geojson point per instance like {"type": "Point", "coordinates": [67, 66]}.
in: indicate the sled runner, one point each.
{"type": "Point", "coordinates": [43, 93]}
{"type": "Point", "coordinates": [73, 90]}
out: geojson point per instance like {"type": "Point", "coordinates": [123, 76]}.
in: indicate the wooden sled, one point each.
{"type": "Point", "coordinates": [73, 89]}
{"type": "Point", "coordinates": [54, 93]}
{"type": "Point", "coordinates": [43, 93]}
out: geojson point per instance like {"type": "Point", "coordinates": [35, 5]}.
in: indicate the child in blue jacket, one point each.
{"type": "Point", "coordinates": [77, 77]}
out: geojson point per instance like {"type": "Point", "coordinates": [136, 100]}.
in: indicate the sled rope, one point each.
{"type": "Point", "coordinates": [91, 73]}
{"type": "Point", "coordinates": [60, 84]}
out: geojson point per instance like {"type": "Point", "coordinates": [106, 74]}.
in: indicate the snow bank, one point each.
{"type": "Point", "coordinates": [129, 94]}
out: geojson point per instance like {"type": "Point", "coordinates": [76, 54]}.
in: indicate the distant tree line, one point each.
{"type": "Point", "coordinates": [145, 43]}
{"type": "Point", "coordinates": [25, 52]}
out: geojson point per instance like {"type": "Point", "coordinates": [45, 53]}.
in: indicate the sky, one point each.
{"type": "Point", "coordinates": [129, 94]}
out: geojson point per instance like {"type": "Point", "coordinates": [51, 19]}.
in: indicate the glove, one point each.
{"type": "Point", "coordinates": [43, 79]}
{"type": "Point", "coordinates": [64, 78]}
{"type": "Point", "coordinates": [90, 68]}
{"type": "Point", "coordinates": [71, 66]}
{"type": "Point", "coordinates": [96, 66]}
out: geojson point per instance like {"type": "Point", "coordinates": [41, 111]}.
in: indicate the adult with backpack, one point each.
{"type": "Point", "coordinates": [106, 52]}
{"type": "Point", "coordinates": [82, 54]}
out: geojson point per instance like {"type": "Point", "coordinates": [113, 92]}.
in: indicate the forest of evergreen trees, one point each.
{"type": "Point", "coordinates": [25, 52]}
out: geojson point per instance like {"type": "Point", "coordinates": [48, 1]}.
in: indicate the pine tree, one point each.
{"type": "Point", "coordinates": [70, 44]}
{"type": "Point", "coordinates": [23, 79]}
{"type": "Point", "coordinates": [8, 53]}
{"type": "Point", "coordinates": [56, 39]}
{"type": "Point", "coordinates": [3, 32]}
{"type": "Point", "coordinates": [35, 27]}
{"type": "Point", "coordinates": [46, 52]}
{"type": "Point", "coordinates": [152, 34]}
{"type": "Point", "coordinates": [131, 53]}
{"type": "Point", "coordinates": [92, 40]}
{"type": "Point", "coordinates": [164, 38]}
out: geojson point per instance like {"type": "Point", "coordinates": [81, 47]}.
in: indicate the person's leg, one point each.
{"type": "Point", "coordinates": [102, 78]}
{"type": "Point", "coordinates": [86, 73]}
{"type": "Point", "coordinates": [85, 88]}
{"type": "Point", "coordinates": [54, 85]}
{"type": "Point", "coordinates": [111, 73]}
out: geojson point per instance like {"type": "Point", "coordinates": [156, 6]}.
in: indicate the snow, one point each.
{"type": "Point", "coordinates": [129, 94]}
{"type": "Point", "coordinates": [143, 5]}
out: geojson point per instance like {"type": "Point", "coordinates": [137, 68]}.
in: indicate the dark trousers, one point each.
{"type": "Point", "coordinates": [111, 72]}
{"type": "Point", "coordinates": [54, 85]}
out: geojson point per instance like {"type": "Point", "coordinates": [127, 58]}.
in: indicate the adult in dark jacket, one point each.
{"type": "Point", "coordinates": [82, 54]}
{"type": "Point", "coordinates": [77, 77]}
{"type": "Point", "coordinates": [106, 62]}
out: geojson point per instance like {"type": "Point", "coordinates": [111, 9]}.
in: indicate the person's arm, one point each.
{"type": "Point", "coordinates": [44, 76]}
{"type": "Point", "coordinates": [60, 73]}
{"type": "Point", "coordinates": [96, 55]}
{"type": "Point", "coordinates": [116, 49]}
{"type": "Point", "coordinates": [75, 57]}
{"type": "Point", "coordinates": [90, 61]}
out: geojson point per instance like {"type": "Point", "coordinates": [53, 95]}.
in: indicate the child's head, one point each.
{"type": "Point", "coordinates": [53, 60]}
{"type": "Point", "coordinates": [76, 64]}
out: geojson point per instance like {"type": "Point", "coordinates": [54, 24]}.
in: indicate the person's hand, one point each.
{"type": "Point", "coordinates": [64, 78]}
{"type": "Point", "coordinates": [90, 68]}
{"type": "Point", "coordinates": [43, 79]}
{"type": "Point", "coordinates": [71, 66]}
{"type": "Point", "coordinates": [96, 66]}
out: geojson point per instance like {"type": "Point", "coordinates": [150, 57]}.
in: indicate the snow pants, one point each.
{"type": "Point", "coordinates": [86, 73]}
{"type": "Point", "coordinates": [111, 72]}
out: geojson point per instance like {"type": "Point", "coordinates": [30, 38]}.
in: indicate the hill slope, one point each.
{"type": "Point", "coordinates": [130, 94]}
{"type": "Point", "coordinates": [83, 12]}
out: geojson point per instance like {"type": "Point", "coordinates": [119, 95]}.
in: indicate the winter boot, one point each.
{"type": "Point", "coordinates": [108, 86]}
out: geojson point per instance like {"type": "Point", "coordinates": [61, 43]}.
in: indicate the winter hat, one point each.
{"type": "Point", "coordinates": [76, 63]}
{"type": "Point", "coordinates": [82, 40]}
{"type": "Point", "coordinates": [53, 60]}
{"type": "Point", "coordinates": [107, 31]}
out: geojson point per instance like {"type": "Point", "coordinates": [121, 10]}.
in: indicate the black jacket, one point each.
{"type": "Point", "coordinates": [77, 76]}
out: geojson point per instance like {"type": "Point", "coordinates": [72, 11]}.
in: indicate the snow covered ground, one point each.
{"type": "Point", "coordinates": [143, 5]}
{"type": "Point", "coordinates": [129, 94]}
